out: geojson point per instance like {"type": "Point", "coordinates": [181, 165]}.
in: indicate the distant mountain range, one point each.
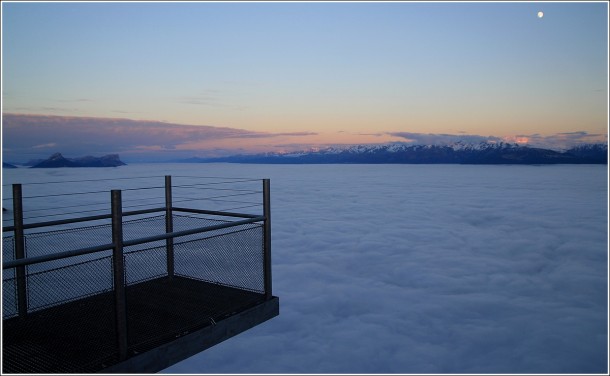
{"type": "Point", "coordinates": [58, 160]}
{"type": "Point", "coordinates": [457, 153]}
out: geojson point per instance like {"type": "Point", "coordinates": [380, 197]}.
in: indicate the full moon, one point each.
{"type": "Point", "coordinates": [540, 14]}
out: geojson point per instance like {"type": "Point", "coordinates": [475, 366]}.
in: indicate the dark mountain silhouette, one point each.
{"type": "Point", "coordinates": [8, 165]}
{"type": "Point", "coordinates": [592, 153]}
{"type": "Point", "coordinates": [58, 160]}
{"type": "Point", "coordinates": [458, 153]}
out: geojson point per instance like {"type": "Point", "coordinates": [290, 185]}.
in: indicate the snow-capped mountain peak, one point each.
{"type": "Point", "coordinates": [406, 153]}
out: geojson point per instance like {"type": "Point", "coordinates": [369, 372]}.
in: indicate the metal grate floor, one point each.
{"type": "Point", "coordinates": [79, 336]}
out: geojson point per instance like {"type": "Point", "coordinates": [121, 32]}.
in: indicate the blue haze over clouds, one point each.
{"type": "Point", "coordinates": [420, 268]}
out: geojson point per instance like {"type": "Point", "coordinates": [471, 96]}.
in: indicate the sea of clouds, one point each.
{"type": "Point", "coordinates": [421, 269]}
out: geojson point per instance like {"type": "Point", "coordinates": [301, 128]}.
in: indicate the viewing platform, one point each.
{"type": "Point", "coordinates": [135, 291]}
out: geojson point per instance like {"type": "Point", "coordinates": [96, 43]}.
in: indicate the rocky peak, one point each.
{"type": "Point", "coordinates": [57, 160]}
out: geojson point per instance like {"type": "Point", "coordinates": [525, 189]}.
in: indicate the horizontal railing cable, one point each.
{"type": "Point", "coordinates": [65, 213]}
{"type": "Point", "coordinates": [90, 192]}
{"type": "Point", "coordinates": [82, 219]}
{"type": "Point", "coordinates": [70, 206]}
{"type": "Point", "coordinates": [186, 199]}
{"type": "Point", "coordinates": [88, 180]}
{"type": "Point", "coordinates": [130, 207]}
{"type": "Point", "coordinates": [215, 177]}
{"type": "Point", "coordinates": [223, 196]}
{"type": "Point", "coordinates": [55, 211]}
{"type": "Point", "coordinates": [244, 207]}
{"type": "Point", "coordinates": [100, 203]}
{"type": "Point", "coordinates": [78, 212]}
{"type": "Point", "coordinates": [221, 182]}
{"type": "Point", "coordinates": [141, 188]}
{"type": "Point", "coordinates": [65, 194]}
{"type": "Point", "coordinates": [214, 212]}
{"type": "Point", "coordinates": [202, 187]}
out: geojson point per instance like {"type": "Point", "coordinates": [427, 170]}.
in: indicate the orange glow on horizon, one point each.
{"type": "Point", "coordinates": [522, 140]}
{"type": "Point", "coordinates": [290, 143]}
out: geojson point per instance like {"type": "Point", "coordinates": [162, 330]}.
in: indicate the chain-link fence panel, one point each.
{"type": "Point", "coordinates": [8, 248]}
{"type": "Point", "coordinates": [9, 287]}
{"type": "Point", "coordinates": [143, 227]}
{"type": "Point", "coordinates": [43, 243]}
{"type": "Point", "coordinates": [56, 286]}
{"type": "Point", "coordinates": [186, 222]}
{"type": "Point", "coordinates": [145, 264]}
{"type": "Point", "coordinates": [9, 294]}
{"type": "Point", "coordinates": [234, 258]}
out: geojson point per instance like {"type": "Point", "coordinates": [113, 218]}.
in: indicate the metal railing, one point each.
{"type": "Point", "coordinates": [198, 232]}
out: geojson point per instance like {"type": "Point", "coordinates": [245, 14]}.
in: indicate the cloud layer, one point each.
{"type": "Point", "coordinates": [442, 270]}
{"type": "Point", "coordinates": [436, 138]}
{"type": "Point", "coordinates": [81, 135]}
{"type": "Point", "coordinates": [420, 269]}
{"type": "Point", "coordinates": [556, 141]}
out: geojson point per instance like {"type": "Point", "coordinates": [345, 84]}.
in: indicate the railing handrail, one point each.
{"type": "Point", "coordinates": [80, 219]}
{"type": "Point", "coordinates": [198, 230]}
{"type": "Point", "coordinates": [128, 213]}
{"type": "Point", "coordinates": [83, 251]}
{"type": "Point", "coordinates": [55, 256]}
{"type": "Point", "coordinates": [213, 212]}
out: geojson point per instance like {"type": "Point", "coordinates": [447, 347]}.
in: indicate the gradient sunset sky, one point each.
{"type": "Point", "coordinates": [315, 73]}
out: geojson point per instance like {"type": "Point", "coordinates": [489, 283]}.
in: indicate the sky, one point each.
{"type": "Point", "coordinates": [410, 269]}
{"type": "Point", "coordinates": [304, 74]}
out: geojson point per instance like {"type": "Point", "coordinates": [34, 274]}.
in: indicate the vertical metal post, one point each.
{"type": "Point", "coordinates": [120, 299]}
{"type": "Point", "coordinates": [169, 226]}
{"type": "Point", "coordinates": [267, 238]}
{"type": "Point", "coordinates": [22, 298]}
